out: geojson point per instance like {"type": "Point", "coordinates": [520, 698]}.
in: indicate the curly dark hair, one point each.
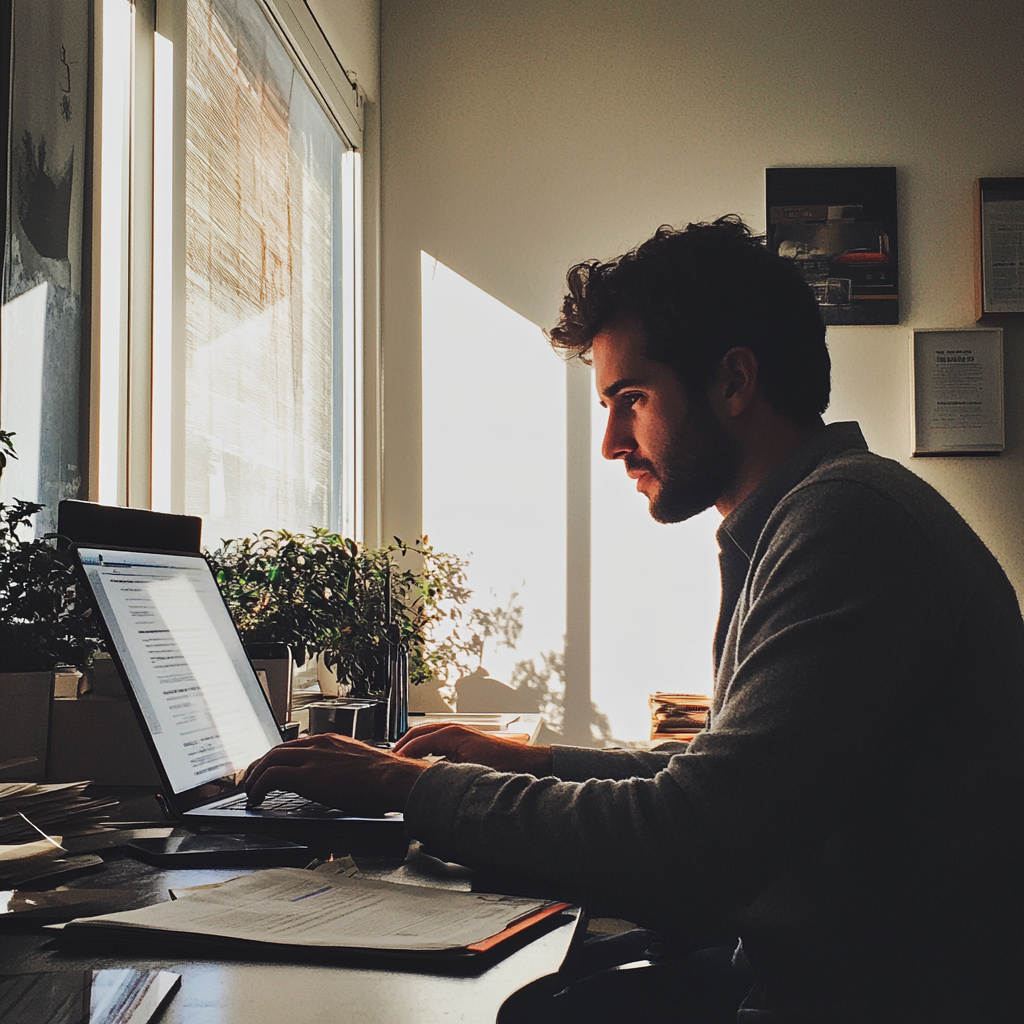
{"type": "Point", "coordinates": [698, 292]}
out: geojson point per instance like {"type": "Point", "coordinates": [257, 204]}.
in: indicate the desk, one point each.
{"type": "Point", "coordinates": [239, 992]}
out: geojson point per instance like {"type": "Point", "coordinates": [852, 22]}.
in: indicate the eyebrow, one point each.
{"type": "Point", "coordinates": [621, 384]}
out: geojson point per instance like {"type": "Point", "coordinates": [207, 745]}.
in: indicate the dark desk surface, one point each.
{"type": "Point", "coordinates": [225, 991]}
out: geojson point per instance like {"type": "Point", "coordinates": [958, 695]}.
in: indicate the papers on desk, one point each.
{"type": "Point", "coordinates": [29, 815]}
{"type": "Point", "coordinates": [20, 852]}
{"type": "Point", "coordinates": [55, 905]}
{"type": "Point", "coordinates": [290, 907]}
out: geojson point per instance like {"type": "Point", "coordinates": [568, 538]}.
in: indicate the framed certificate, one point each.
{"type": "Point", "coordinates": [999, 246]}
{"type": "Point", "coordinates": [957, 389]}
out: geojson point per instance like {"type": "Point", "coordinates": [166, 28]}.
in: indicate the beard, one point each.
{"type": "Point", "coordinates": [697, 467]}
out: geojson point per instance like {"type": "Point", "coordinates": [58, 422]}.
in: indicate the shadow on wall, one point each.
{"type": "Point", "coordinates": [532, 689]}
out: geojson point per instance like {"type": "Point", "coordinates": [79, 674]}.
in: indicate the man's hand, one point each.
{"type": "Point", "coordinates": [459, 743]}
{"type": "Point", "coordinates": [336, 771]}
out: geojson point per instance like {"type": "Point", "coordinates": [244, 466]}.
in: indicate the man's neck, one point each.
{"type": "Point", "coordinates": [765, 440]}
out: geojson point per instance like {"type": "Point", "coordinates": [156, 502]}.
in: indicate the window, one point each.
{"type": "Point", "coordinates": [223, 367]}
{"type": "Point", "coordinates": [654, 598]}
{"type": "Point", "coordinates": [494, 472]}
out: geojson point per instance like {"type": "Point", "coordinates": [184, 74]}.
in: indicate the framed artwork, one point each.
{"type": "Point", "coordinates": [957, 389]}
{"type": "Point", "coordinates": [999, 245]}
{"type": "Point", "coordinates": [838, 225]}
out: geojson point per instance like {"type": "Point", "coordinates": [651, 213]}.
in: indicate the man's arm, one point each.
{"type": "Point", "coordinates": [845, 612]}
{"type": "Point", "coordinates": [343, 773]}
{"type": "Point", "coordinates": [578, 764]}
{"type": "Point", "coordinates": [460, 744]}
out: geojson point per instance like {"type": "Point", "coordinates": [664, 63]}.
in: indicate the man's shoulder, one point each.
{"type": "Point", "coordinates": [857, 497]}
{"type": "Point", "coordinates": [859, 474]}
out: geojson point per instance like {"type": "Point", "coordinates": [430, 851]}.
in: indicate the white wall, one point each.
{"type": "Point", "coordinates": [519, 138]}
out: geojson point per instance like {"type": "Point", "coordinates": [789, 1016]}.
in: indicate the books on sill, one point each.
{"type": "Point", "coordinates": [678, 716]}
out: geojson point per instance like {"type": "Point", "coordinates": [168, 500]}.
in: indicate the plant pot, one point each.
{"type": "Point", "coordinates": [327, 678]}
{"type": "Point", "coordinates": [24, 725]}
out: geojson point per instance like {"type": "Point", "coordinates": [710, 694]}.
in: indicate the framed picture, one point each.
{"type": "Point", "coordinates": [957, 389]}
{"type": "Point", "coordinates": [838, 225]}
{"type": "Point", "coordinates": [999, 246]}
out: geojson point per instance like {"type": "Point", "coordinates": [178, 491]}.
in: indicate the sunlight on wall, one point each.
{"type": "Point", "coordinates": [113, 247]}
{"type": "Point", "coordinates": [494, 456]}
{"type": "Point", "coordinates": [654, 601]}
{"type": "Point", "coordinates": [494, 488]}
{"type": "Point", "coordinates": [163, 274]}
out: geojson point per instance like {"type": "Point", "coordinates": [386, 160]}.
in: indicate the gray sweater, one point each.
{"type": "Point", "coordinates": [853, 809]}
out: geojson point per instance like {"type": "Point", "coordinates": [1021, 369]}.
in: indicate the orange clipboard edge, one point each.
{"type": "Point", "coordinates": [516, 927]}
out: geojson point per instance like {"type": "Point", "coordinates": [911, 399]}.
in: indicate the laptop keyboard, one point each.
{"type": "Point", "coordinates": [276, 801]}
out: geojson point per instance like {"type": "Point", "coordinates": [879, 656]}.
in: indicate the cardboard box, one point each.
{"type": "Point", "coordinates": [98, 738]}
{"type": "Point", "coordinates": [24, 725]}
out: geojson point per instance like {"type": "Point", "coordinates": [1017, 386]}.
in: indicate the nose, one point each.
{"type": "Point", "coordinates": [618, 441]}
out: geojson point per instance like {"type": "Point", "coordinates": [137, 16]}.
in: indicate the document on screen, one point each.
{"type": "Point", "coordinates": [185, 663]}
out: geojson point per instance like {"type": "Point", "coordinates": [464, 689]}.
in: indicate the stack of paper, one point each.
{"type": "Point", "coordinates": [36, 819]}
{"type": "Point", "coordinates": [678, 716]}
{"type": "Point", "coordinates": [57, 807]}
{"type": "Point", "coordinates": [19, 861]}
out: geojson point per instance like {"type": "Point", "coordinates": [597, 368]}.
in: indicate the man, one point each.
{"type": "Point", "coordinates": [852, 810]}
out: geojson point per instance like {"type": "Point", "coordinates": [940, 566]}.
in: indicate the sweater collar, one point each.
{"type": "Point", "coordinates": [744, 524]}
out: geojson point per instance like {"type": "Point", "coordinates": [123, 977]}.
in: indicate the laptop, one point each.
{"type": "Point", "coordinates": [201, 707]}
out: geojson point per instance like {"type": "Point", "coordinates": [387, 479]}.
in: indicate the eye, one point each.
{"type": "Point", "coordinates": [630, 398]}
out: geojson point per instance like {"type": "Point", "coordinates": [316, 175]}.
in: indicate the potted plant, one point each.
{"type": "Point", "coordinates": [324, 594]}
{"type": "Point", "coordinates": [45, 621]}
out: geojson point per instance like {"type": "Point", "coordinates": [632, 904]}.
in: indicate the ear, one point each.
{"type": "Point", "coordinates": [735, 383]}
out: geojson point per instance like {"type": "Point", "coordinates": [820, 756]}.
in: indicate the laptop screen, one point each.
{"type": "Point", "coordinates": [200, 698]}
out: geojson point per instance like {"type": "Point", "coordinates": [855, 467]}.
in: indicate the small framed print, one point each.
{"type": "Point", "coordinates": [999, 248]}
{"type": "Point", "coordinates": [838, 226]}
{"type": "Point", "coordinates": [957, 389]}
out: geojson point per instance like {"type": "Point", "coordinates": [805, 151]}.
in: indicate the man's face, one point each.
{"type": "Point", "coordinates": [671, 443]}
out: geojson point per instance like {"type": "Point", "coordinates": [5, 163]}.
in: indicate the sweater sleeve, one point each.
{"type": "Point", "coordinates": [840, 612]}
{"type": "Point", "coordinates": [578, 764]}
